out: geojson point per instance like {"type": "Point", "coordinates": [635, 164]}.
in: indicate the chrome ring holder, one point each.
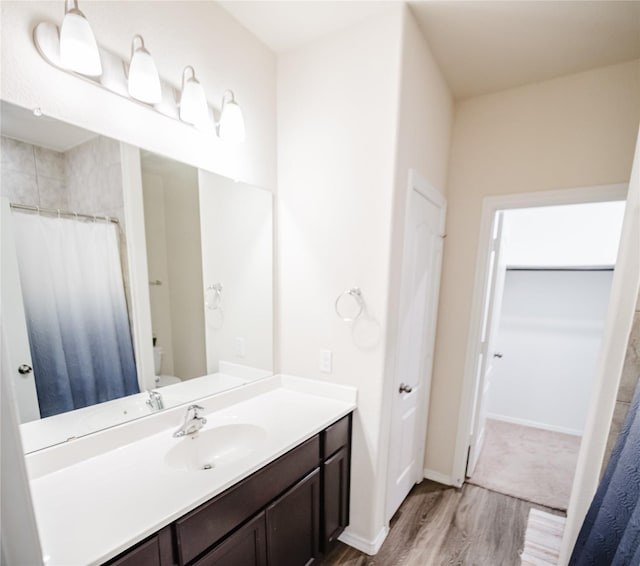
{"type": "Point", "coordinates": [216, 301]}
{"type": "Point", "coordinates": [356, 295]}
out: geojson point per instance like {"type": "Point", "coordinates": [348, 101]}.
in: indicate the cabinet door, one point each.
{"type": "Point", "coordinates": [335, 497]}
{"type": "Point", "coordinates": [157, 551]}
{"type": "Point", "coordinates": [146, 554]}
{"type": "Point", "coordinates": [246, 547]}
{"type": "Point", "coordinates": [293, 524]}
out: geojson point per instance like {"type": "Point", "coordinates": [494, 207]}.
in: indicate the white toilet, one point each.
{"type": "Point", "coordinates": [162, 380]}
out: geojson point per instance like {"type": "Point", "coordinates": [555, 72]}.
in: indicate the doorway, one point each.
{"type": "Point", "coordinates": [556, 269]}
{"type": "Point", "coordinates": [545, 319]}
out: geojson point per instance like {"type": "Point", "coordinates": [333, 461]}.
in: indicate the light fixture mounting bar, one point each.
{"type": "Point", "coordinates": [46, 37]}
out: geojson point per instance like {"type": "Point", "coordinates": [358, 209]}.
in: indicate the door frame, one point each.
{"type": "Point", "coordinates": [490, 206]}
{"type": "Point", "coordinates": [420, 185]}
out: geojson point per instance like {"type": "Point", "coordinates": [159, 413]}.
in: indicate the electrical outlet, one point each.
{"type": "Point", "coordinates": [326, 361]}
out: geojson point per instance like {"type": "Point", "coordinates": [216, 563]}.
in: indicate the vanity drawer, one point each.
{"type": "Point", "coordinates": [336, 436]}
{"type": "Point", "coordinates": [210, 522]}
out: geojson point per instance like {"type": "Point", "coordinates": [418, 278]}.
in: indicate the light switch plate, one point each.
{"type": "Point", "coordinates": [239, 347]}
{"type": "Point", "coordinates": [326, 361]}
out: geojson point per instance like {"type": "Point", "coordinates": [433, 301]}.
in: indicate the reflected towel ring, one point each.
{"type": "Point", "coordinates": [216, 300]}
{"type": "Point", "coordinates": [356, 294]}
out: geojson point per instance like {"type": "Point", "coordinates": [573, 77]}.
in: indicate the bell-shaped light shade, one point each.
{"type": "Point", "coordinates": [144, 81]}
{"type": "Point", "coordinates": [231, 125]}
{"type": "Point", "coordinates": [193, 102]}
{"type": "Point", "coordinates": [78, 47]}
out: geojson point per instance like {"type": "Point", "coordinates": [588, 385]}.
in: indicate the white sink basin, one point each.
{"type": "Point", "coordinates": [215, 447]}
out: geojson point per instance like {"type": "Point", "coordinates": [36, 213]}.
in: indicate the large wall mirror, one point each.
{"type": "Point", "coordinates": [128, 286]}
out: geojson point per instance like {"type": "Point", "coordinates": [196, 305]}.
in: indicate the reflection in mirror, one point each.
{"type": "Point", "coordinates": [210, 279]}
{"type": "Point", "coordinates": [209, 250]}
{"type": "Point", "coordinates": [63, 205]}
{"type": "Point", "coordinates": [172, 233]}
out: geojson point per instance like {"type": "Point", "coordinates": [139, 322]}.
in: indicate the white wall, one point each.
{"type": "Point", "coordinates": [425, 118]}
{"type": "Point", "coordinates": [344, 149]}
{"type": "Point", "coordinates": [570, 235]}
{"type": "Point", "coordinates": [237, 251]}
{"type": "Point", "coordinates": [202, 34]}
{"type": "Point", "coordinates": [549, 333]}
{"type": "Point", "coordinates": [337, 100]}
{"type": "Point", "coordinates": [574, 131]}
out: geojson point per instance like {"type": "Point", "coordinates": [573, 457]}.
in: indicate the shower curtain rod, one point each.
{"type": "Point", "coordinates": [58, 212]}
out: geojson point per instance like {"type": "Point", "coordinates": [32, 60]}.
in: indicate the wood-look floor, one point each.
{"type": "Point", "coordinates": [438, 525]}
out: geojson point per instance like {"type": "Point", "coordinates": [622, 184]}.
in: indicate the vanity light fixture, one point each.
{"type": "Point", "coordinates": [143, 81]}
{"type": "Point", "coordinates": [72, 48]}
{"type": "Point", "coordinates": [231, 124]}
{"type": "Point", "coordinates": [78, 47]}
{"type": "Point", "coordinates": [193, 102]}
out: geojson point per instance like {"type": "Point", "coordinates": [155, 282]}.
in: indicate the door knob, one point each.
{"type": "Point", "coordinates": [497, 355]}
{"type": "Point", "coordinates": [24, 369]}
{"type": "Point", "coordinates": [404, 388]}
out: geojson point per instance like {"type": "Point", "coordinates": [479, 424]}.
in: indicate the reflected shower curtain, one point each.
{"type": "Point", "coordinates": [76, 311]}
{"type": "Point", "coordinates": [610, 534]}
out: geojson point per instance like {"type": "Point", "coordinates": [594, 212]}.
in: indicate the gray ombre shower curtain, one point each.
{"type": "Point", "coordinates": [610, 534]}
{"type": "Point", "coordinates": [76, 311]}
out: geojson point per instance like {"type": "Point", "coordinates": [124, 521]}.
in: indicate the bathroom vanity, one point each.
{"type": "Point", "coordinates": [288, 513]}
{"type": "Point", "coordinates": [264, 482]}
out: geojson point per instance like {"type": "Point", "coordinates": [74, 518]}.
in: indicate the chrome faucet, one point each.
{"type": "Point", "coordinates": [192, 422]}
{"type": "Point", "coordinates": [155, 400]}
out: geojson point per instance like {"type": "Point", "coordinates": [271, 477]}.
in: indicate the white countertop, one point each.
{"type": "Point", "coordinates": [95, 497]}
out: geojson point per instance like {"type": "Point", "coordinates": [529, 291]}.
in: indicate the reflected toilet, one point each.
{"type": "Point", "coordinates": [162, 380]}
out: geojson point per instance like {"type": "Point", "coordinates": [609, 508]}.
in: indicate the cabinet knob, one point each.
{"type": "Point", "coordinates": [404, 388]}
{"type": "Point", "coordinates": [497, 355]}
{"type": "Point", "coordinates": [24, 369]}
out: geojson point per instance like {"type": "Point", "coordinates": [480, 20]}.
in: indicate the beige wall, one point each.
{"type": "Point", "coordinates": [356, 110]}
{"type": "Point", "coordinates": [172, 230]}
{"type": "Point", "coordinates": [337, 101]}
{"type": "Point", "coordinates": [224, 54]}
{"type": "Point", "coordinates": [575, 131]}
{"type": "Point", "coordinates": [425, 119]}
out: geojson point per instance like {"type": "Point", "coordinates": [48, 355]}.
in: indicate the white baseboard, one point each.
{"type": "Point", "coordinates": [534, 424]}
{"type": "Point", "coordinates": [370, 547]}
{"type": "Point", "coordinates": [438, 477]}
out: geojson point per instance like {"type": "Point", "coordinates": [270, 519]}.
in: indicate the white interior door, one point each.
{"type": "Point", "coordinates": [488, 355]}
{"type": "Point", "coordinates": [14, 325]}
{"type": "Point", "coordinates": [416, 337]}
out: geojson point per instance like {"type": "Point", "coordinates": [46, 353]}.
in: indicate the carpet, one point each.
{"type": "Point", "coordinates": [542, 539]}
{"type": "Point", "coordinates": [528, 463]}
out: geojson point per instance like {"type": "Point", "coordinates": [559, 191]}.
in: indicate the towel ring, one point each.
{"type": "Point", "coordinates": [356, 294]}
{"type": "Point", "coordinates": [214, 304]}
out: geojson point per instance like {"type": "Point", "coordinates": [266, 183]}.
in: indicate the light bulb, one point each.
{"type": "Point", "coordinates": [231, 125]}
{"type": "Point", "coordinates": [193, 102]}
{"type": "Point", "coordinates": [144, 81]}
{"type": "Point", "coordinates": [78, 47]}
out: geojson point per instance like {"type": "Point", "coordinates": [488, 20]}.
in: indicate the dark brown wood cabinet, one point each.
{"type": "Point", "coordinates": [246, 547]}
{"type": "Point", "coordinates": [154, 551]}
{"type": "Point", "coordinates": [335, 497]}
{"type": "Point", "coordinates": [288, 513]}
{"type": "Point", "coordinates": [293, 524]}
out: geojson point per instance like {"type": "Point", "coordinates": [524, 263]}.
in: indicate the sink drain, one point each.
{"type": "Point", "coordinates": [207, 467]}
